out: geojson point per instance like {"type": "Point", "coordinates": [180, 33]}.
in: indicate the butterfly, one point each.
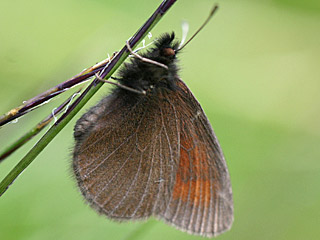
{"type": "Point", "coordinates": [154, 153]}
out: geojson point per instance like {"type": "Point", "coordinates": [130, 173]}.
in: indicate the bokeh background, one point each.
{"type": "Point", "coordinates": [254, 69]}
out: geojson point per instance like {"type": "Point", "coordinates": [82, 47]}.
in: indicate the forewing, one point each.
{"type": "Point", "coordinates": [201, 197]}
{"type": "Point", "coordinates": [125, 166]}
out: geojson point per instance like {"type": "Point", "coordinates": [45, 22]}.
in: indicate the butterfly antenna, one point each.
{"type": "Point", "coordinates": [214, 9]}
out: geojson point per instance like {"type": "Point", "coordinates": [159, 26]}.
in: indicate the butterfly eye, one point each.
{"type": "Point", "coordinates": [168, 52]}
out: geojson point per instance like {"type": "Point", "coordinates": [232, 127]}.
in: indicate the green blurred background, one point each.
{"type": "Point", "coordinates": [254, 69]}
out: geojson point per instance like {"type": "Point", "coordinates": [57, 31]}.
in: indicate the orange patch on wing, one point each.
{"type": "Point", "coordinates": [192, 179]}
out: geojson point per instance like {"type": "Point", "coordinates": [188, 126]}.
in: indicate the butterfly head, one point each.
{"type": "Point", "coordinates": [149, 76]}
{"type": "Point", "coordinates": [164, 51]}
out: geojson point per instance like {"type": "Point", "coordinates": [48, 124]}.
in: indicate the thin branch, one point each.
{"type": "Point", "coordinates": [33, 132]}
{"type": "Point", "coordinates": [34, 102]}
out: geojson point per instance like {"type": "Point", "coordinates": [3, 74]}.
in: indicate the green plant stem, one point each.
{"type": "Point", "coordinates": [34, 131]}
{"type": "Point", "coordinates": [44, 141]}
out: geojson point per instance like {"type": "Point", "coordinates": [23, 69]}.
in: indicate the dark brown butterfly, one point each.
{"type": "Point", "coordinates": [154, 154]}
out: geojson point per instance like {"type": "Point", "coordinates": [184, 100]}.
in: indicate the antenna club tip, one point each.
{"type": "Point", "coordinates": [215, 8]}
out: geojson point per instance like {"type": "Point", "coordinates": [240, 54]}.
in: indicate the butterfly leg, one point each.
{"type": "Point", "coordinates": [121, 86]}
{"type": "Point", "coordinates": [145, 59]}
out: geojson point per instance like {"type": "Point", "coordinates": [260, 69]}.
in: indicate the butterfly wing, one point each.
{"type": "Point", "coordinates": [125, 157]}
{"type": "Point", "coordinates": [158, 157]}
{"type": "Point", "coordinates": [201, 200]}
